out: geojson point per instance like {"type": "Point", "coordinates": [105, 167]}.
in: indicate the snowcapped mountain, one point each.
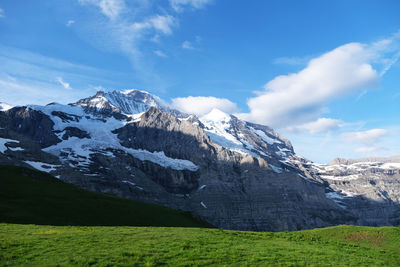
{"type": "Point", "coordinates": [234, 174]}
{"type": "Point", "coordinates": [247, 138]}
{"type": "Point", "coordinates": [126, 102]}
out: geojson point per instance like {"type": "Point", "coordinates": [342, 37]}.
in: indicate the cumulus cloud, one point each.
{"type": "Point", "coordinates": [110, 8]}
{"type": "Point", "coordinates": [300, 97]}
{"type": "Point", "coordinates": [160, 53]}
{"type": "Point", "coordinates": [178, 5]}
{"type": "Point", "coordinates": [201, 105]}
{"type": "Point", "coordinates": [69, 23]}
{"type": "Point", "coordinates": [364, 137]}
{"type": "Point", "coordinates": [63, 83]}
{"type": "Point", "coordinates": [318, 126]}
{"type": "Point", "coordinates": [187, 45]}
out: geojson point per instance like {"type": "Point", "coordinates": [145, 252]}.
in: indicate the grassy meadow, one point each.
{"type": "Point", "coordinates": [33, 245]}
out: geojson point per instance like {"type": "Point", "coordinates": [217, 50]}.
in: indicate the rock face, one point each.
{"type": "Point", "coordinates": [369, 188]}
{"type": "Point", "coordinates": [232, 173]}
{"type": "Point", "coordinates": [31, 123]}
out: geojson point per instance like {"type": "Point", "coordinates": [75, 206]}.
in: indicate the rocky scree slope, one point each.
{"type": "Point", "coordinates": [233, 174]}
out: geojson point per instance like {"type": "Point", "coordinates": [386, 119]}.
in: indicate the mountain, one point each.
{"type": "Point", "coordinates": [369, 188]}
{"type": "Point", "coordinates": [232, 173]}
{"type": "Point", "coordinates": [125, 102]}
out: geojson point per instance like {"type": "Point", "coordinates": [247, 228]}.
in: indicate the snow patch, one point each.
{"type": "Point", "coordinates": [16, 148]}
{"type": "Point", "coordinates": [135, 117]}
{"type": "Point", "coordinates": [275, 169]}
{"type": "Point", "coordinates": [202, 187]}
{"type": "Point", "coordinates": [3, 142]}
{"type": "Point", "coordinates": [128, 182]}
{"type": "Point", "coordinates": [161, 159]}
{"type": "Point", "coordinates": [217, 123]}
{"type": "Point", "coordinates": [79, 150]}
{"type": "Point", "coordinates": [307, 179]}
{"type": "Point", "coordinates": [334, 195]}
{"type": "Point", "coordinates": [41, 166]}
{"type": "Point", "coordinates": [391, 166]}
{"type": "Point", "coordinates": [264, 137]}
{"type": "Point", "coordinates": [341, 178]}
{"type": "Point", "coordinates": [217, 126]}
{"type": "Point", "coordinates": [337, 198]}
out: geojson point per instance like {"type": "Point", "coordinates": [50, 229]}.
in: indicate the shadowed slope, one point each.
{"type": "Point", "coordinates": [29, 196]}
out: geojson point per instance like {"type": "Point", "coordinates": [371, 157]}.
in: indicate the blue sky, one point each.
{"type": "Point", "coordinates": [323, 73]}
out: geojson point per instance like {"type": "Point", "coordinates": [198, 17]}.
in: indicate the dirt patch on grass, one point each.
{"type": "Point", "coordinates": [373, 239]}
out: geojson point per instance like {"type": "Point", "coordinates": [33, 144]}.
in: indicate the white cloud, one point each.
{"type": "Point", "coordinates": [319, 126]}
{"type": "Point", "coordinates": [69, 23]}
{"type": "Point", "coordinates": [390, 63]}
{"type": "Point", "coordinates": [37, 92]}
{"type": "Point", "coordinates": [163, 23]}
{"type": "Point", "coordinates": [159, 23]}
{"type": "Point", "coordinates": [187, 45]}
{"type": "Point", "coordinates": [135, 25]}
{"type": "Point", "coordinates": [360, 95]}
{"type": "Point", "coordinates": [386, 52]}
{"type": "Point", "coordinates": [64, 84]}
{"type": "Point", "coordinates": [35, 77]}
{"type": "Point", "coordinates": [160, 53]}
{"type": "Point", "coordinates": [299, 98]}
{"type": "Point", "coordinates": [110, 8]}
{"type": "Point", "coordinates": [1, 13]}
{"type": "Point", "coordinates": [367, 149]}
{"type": "Point", "coordinates": [201, 105]}
{"type": "Point", "coordinates": [366, 137]}
{"type": "Point", "coordinates": [178, 5]}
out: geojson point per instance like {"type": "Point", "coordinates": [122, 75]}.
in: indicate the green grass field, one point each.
{"type": "Point", "coordinates": [29, 198]}
{"type": "Point", "coordinates": [32, 245]}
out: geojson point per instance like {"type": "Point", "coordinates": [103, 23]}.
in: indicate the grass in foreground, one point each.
{"type": "Point", "coordinates": [33, 197]}
{"type": "Point", "coordinates": [153, 246]}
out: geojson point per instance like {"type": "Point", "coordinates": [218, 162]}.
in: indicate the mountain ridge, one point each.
{"type": "Point", "coordinates": [232, 173]}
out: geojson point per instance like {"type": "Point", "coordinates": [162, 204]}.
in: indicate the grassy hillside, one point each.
{"type": "Point", "coordinates": [29, 196]}
{"type": "Point", "coordinates": [154, 246]}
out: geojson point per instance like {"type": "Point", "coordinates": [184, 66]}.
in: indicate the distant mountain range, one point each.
{"type": "Point", "coordinates": [232, 173]}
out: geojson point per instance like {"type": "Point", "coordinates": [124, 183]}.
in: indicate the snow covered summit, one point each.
{"type": "Point", "coordinates": [127, 102]}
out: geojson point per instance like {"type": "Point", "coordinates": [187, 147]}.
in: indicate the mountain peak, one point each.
{"type": "Point", "coordinates": [216, 115]}
{"type": "Point", "coordinates": [130, 101]}
{"type": "Point", "coordinates": [132, 92]}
